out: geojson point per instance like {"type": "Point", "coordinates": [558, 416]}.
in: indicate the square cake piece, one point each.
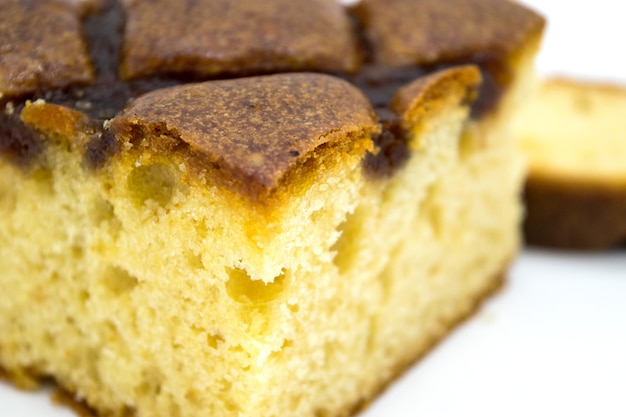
{"type": "Point", "coordinates": [183, 243]}
{"type": "Point", "coordinates": [572, 133]}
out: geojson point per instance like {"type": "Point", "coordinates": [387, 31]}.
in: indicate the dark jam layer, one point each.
{"type": "Point", "coordinates": [108, 95]}
{"type": "Point", "coordinates": [19, 143]}
{"type": "Point", "coordinates": [380, 84]}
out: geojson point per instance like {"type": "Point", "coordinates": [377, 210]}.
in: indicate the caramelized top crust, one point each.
{"type": "Point", "coordinates": [41, 46]}
{"type": "Point", "coordinates": [236, 37]}
{"type": "Point", "coordinates": [432, 92]}
{"type": "Point", "coordinates": [421, 100]}
{"type": "Point", "coordinates": [424, 32]}
{"type": "Point", "coordinates": [257, 128]}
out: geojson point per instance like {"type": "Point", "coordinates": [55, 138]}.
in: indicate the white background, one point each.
{"type": "Point", "coordinates": [553, 342]}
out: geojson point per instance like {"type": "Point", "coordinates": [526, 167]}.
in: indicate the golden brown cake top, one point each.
{"type": "Point", "coordinates": [255, 128]}
{"type": "Point", "coordinates": [236, 37]}
{"type": "Point", "coordinates": [424, 32]}
{"type": "Point", "coordinates": [41, 46]}
{"type": "Point", "coordinates": [161, 43]}
{"type": "Point", "coordinates": [428, 93]}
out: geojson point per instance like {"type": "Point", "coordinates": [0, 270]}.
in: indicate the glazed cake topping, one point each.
{"type": "Point", "coordinates": [405, 39]}
{"type": "Point", "coordinates": [241, 37]}
{"type": "Point", "coordinates": [426, 32]}
{"type": "Point", "coordinates": [138, 46]}
{"type": "Point", "coordinates": [436, 88]}
{"type": "Point", "coordinates": [154, 43]}
{"type": "Point", "coordinates": [256, 128]}
{"type": "Point", "coordinates": [41, 46]}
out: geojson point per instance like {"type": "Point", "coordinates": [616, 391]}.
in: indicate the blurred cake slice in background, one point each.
{"type": "Point", "coordinates": [574, 135]}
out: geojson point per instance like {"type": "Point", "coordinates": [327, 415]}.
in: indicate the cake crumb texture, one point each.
{"type": "Point", "coordinates": [149, 294]}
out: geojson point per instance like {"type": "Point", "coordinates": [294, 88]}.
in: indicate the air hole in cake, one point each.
{"type": "Point", "coordinates": [48, 340]}
{"type": "Point", "coordinates": [77, 252]}
{"type": "Point", "coordinates": [202, 231]}
{"type": "Point", "coordinates": [118, 280]}
{"type": "Point", "coordinates": [322, 413]}
{"type": "Point", "coordinates": [152, 182]}
{"type": "Point", "coordinates": [151, 382]}
{"type": "Point", "coordinates": [54, 278]}
{"type": "Point", "coordinates": [470, 144]}
{"type": "Point", "coordinates": [84, 296]}
{"type": "Point", "coordinates": [103, 215]}
{"type": "Point", "coordinates": [109, 332]}
{"type": "Point", "coordinates": [227, 402]}
{"type": "Point", "coordinates": [102, 211]}
{"type": "Point", "coordinates": [286, 344]}
{"type": "Point", "coordinates": [193, 396]}
{"type": "Point", "coordinates": [243, 289]}
{"type": "Point", "coordinates": [194, 259]}
{"type": "Point", "coordinates": [214, 340]}
{"type": "Point", "coordinates": [44, 179]}
{"type": "Point", "coordinates": [174, 409]}
{"type": "Point", "coordinates": [346, 249]}
{"type": "Point", "coordinates": [277, 354]}
{"type": "Point", "coordinates": [321, 215]}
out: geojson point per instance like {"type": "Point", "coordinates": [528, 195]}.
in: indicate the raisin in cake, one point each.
{"type": "Point", "coordinates": [251, 208]}
{"type": "Point", "coordinates": [573, 134]}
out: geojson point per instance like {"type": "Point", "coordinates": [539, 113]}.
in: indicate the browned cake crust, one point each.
{"type": "Point", "coordinates": [570, 215]}
{"type": "Point", "coordinates": [419, 97]}
{"type": "Point", "coordinates": [409, 32]}
{"type": "Point", "coordinates": [431, 34]}
{"type": "Point", "coordinates": [131, 39]}
{"type": "Point", "coordinates": [256, 129]}
{"type": "Point", "coordinates": [278, 35]}
{"type": "Point", "coordinates": [41, 47]}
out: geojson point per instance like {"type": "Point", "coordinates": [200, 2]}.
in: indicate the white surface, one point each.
{"type": "Point", "coordinates": [553, 342]}
{"type": "Point", "coordinates": [584, 38]}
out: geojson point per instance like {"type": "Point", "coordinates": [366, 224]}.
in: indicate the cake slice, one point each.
{"type": "Point", "coordinates": [188, 235]}
{"type": "Point", "coordinates": [251, 266]}
{"type": "Point", "coordinates": [573, 135]}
